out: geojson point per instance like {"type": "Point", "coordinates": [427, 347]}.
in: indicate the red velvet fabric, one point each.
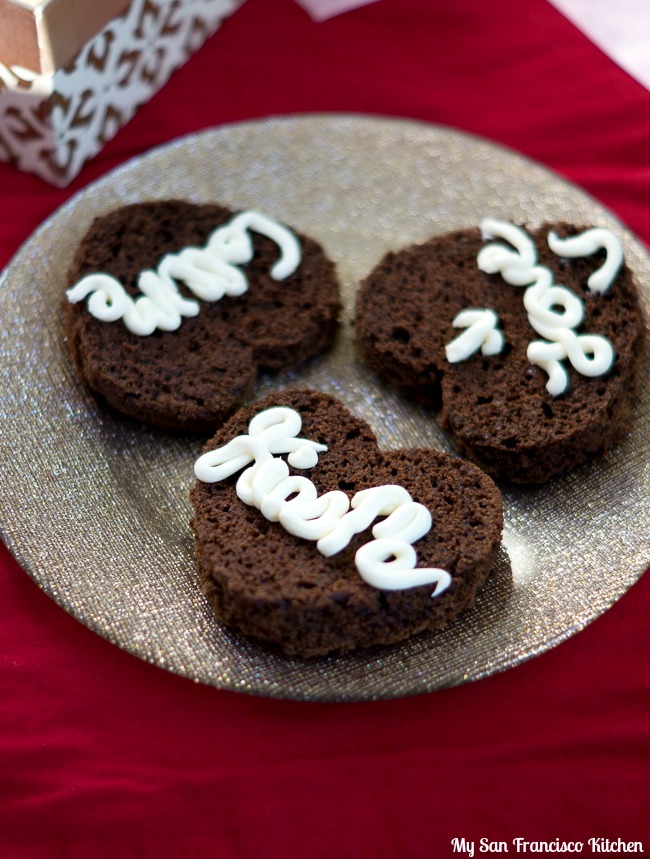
{"type": "Point", "coordinates": [102, 755]}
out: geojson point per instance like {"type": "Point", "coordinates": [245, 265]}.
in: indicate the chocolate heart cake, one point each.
{"type": "Point", "coordinates": [311, 538]}
{"type": "Point", "coordinates": [173, 308]}
{"type": "Point", "coordinates": [527, 342]}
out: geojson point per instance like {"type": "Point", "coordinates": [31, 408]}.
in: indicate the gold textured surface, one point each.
{"type": "Point", "coordinates": [96, 509]}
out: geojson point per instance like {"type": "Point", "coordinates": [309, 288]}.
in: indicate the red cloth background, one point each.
{"type": "Point", "coordinates": [102, 755]}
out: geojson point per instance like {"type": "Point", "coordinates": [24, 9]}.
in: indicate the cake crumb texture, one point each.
{"type": "Point", "coordinates": [269, 584]}
{"type": "Point", "coordinates": [191, 379]}
{"type": "Point", "coordinates": [496, 408]}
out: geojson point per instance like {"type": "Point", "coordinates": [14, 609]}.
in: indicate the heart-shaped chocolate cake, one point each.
{"type": "Point", "coordinates": [309, 537]}
{"type": "Point", "coordinates": [173, 308]}
{"type": "Point", "coordinates": [526, 341]}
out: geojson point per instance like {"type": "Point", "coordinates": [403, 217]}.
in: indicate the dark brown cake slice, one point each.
{"type": "Point", "coordinates": [191, 379]}
{"type": "Point", "coordinates": [276, 587]}
{"type": "Point", "coordinates": [496, 407]}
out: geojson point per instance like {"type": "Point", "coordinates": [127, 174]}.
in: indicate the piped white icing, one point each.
{"type": "Point", "coordinates": [513, 265]}
{"type": "Point", "coordinates": [588, 243]}
{"type": "Point", "coordinates": [209, 273]}
{"type": "Point", "coordinates": [481, 332]}
{"type": "Point", "coordinates": [590, 354]}
{"type": "Point", "coordinates": [271, 431]}
{"type": "Point", "coordinates": [331, 520]}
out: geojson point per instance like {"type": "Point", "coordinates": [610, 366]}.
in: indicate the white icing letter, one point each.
{"type": "Point", "coordinates": [590, 354]}
{"type": "Point", "coordinates": [277, 428]}
{"type": "Point", "coordinates": [547, 356]}
{"type": "Point", "coordinates": [481, 333]}
{"type": "Point", "coordinates": [540, 300]}
{"type": "Point", "coordinates": [270, 431]}
{"type": "Point", "coordinates": [259, 481]}
{"type": "Point", "coordinates": [107, 296]}
{"type": "Point", "coordinates": [374, 566]}
{"type": "Point", "coordinates": [586, 244]}
{"type": "Point", "coordinates": [204, 274]}
{"type": "Point", "coordinates": [409, 522]}
{"type": "Point", "coordinates": [514, 266]}
{"type": "Point", "coordinates": [366, 506]}
{"type": "Point", "coordinates": [239, 248]}
{"type": "Point", "coordinates": [222, 462]}
{"type": "Point", "coordinates": [276, 500]}
{"type": "Point", "coordinates": [312, 520]}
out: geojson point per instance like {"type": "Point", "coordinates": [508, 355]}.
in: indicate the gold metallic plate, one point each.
{"type": "Point", "coordinates": [96, 508]}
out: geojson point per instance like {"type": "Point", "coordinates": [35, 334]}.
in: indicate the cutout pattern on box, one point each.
{"type": "Point", "coordinates": [52, 124]}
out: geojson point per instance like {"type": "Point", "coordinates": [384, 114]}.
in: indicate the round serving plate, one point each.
{"type": "Point", "coordinates": [96, 510]}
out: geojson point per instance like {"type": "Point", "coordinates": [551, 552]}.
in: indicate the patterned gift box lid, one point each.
{"type": "Point", "coordinates": [45, 35]}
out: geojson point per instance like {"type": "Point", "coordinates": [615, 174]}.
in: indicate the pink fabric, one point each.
{"type": "Point", "coordinates": [102, 755]}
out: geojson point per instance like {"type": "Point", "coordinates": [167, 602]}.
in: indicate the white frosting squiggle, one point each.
{"type": "Point", "coordinates": [209, 273]}
{"type": "Point", "coordinates": [588, 243]}
{"type": "Point", "coordinates": [590, 354]}
{"type": "Point", "coordinates": [513, 265]}
{"type": "Point", "coordinates": [331, 520]}
{"type": "Point", "coordinates": [481, 332]}
{"type": "Point", "coordinates": [271, 431]}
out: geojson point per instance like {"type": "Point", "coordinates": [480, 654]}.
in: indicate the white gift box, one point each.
{"type": "Point", "coordinates": [71, 76]}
